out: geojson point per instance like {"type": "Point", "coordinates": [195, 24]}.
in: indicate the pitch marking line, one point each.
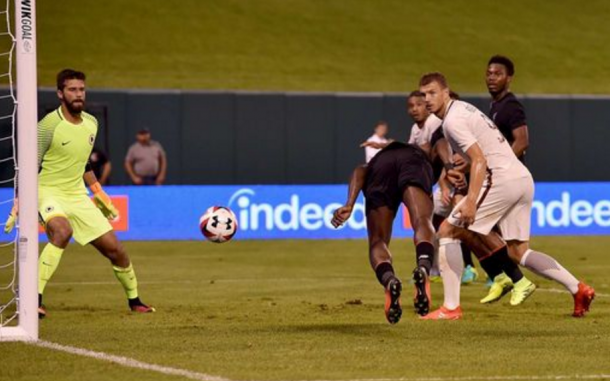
{"type": "Point", "coordinates": [128, 362]}
{"type": "Point", "coordinates": [132, 363]}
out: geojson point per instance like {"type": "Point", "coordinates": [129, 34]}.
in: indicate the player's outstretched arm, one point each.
{"type": "Point", "coordinates": [12, 217]}
{"type": "Point", "coordinates": [100, 198]}
{"type": "Point", "coordinates": [356, 183]}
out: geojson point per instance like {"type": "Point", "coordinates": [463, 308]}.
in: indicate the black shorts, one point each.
{"type": "Point", "coordinates": [391, 171]}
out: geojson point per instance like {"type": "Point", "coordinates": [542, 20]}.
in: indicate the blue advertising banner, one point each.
{"type": "Point", "coordinates": [304, 212]}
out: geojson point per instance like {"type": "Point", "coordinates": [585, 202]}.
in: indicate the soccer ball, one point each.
{"type": "Point", "coordinates": [218, 224]}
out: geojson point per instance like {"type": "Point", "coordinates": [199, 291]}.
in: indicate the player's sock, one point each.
{"type": "Point", "coordinates": [47, 264]}
{"type": "Point", "coordinates": [467, 255]}
{"type": "Point", "coordinates": [549, 268]}
{"type": "Point", "coordinates": [385, 273]}
{"type": "Point", "coordinates": [451, 265]}
{"type": "Point", "coordinates": [491, 265]}
{"type": "Point", "coordinates": [509, 267]}
{"type": "Point", "coordinates": [424, 252]}
{"type": "Point", "coordinates": [127, 277]}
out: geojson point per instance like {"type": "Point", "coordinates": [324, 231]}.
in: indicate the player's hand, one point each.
{"type": "Point", "coordinates": [445, 196]}
{"type": "Point", "coordinates": [467, 211]}
{"type": "Point", "coordinates": [341, 215]}
{"type": "Point", "coordinates": [12, 218]}
{"type": "Point", "coordinates": [459, 163]}
{"type": "Point", "coordinates": [103, 202]}
{"type": "Point", "coordinates": [137, 180]}
{"type": "Point", "coordinates": [457, 179]}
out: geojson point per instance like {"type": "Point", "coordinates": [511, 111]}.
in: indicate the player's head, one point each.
{"type": "Point", "coordinates": [71, 90]}
{"type": "Point", "coordinates": [499, 74]}
{"type": "Point", "coordinates": [381, 129]}
{"type": "Point", "coordinates": [436, 91]}
{"type": "Point", "coordinates": [416, 107]}
{"type": "Point", "coordinates": [143, 136]}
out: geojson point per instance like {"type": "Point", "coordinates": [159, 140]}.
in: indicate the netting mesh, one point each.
{"type": "Point", "coordinates": [8, 109]}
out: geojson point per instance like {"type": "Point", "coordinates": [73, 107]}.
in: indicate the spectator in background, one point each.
{"type": "Point", "coordinates": [377, 141]}
{"type": "Point", "coordinates": [100, 165]}
{"type": "Point", "coordinates": [145, 162]}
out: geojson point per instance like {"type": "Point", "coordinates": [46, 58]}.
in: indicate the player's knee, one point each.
{"type": "Point", "coordinates": [60, 234]}
{"type": "Point", "coordinates": [446, 230]}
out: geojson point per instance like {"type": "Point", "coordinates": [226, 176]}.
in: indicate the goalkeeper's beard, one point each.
{"type": "Point", "coordinates": [75, 107]}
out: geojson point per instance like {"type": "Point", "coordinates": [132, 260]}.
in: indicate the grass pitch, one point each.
{"type": "Point", "coordinates": [559, 46]}
{"type": "Point", "coordinates": [306, 310]}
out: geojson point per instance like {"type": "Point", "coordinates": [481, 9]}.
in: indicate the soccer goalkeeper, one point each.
{"type": "Point", "coordinates": [65, 141]}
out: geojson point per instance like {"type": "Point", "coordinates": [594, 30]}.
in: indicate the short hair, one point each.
{"type": "Point", "coordinates": [381, 123]}
{"type": "Point", "coordinates": [416, 93]}
{"type": "Point", "coordinates": [67, 74]}
{"type": "Point", "coordinates": [453, 95]}
{"type": "Point", "coordinates": [428, 78]}
{"type": "Point", "coordinates": [505, 61]}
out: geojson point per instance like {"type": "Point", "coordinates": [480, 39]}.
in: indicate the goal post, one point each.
{"type": "Point", "coordinates": [27, 175]}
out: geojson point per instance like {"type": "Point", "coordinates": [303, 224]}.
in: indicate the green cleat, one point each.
{"type": "Point", "coordinates": [470, 275]}
{"type": "Point", "coordinates": [521, 291]}
{"type": "Point", "coordinates": [500, 287]}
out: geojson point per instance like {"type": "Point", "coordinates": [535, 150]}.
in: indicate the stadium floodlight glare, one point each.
{"type": "Point", "coordinates": [22, 324]}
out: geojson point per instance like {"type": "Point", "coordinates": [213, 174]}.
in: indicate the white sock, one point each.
{"type": "Point", "coordinates": [451, 265]}
{"type": "Point", "coordinates": [549, 268]}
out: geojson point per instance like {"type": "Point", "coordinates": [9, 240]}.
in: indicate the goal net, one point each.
{"type": "Point", "coordinates": [18, 171]}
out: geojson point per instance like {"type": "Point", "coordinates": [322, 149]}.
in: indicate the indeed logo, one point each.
{"type": "Point", "coordinates": [564, 212]}
{"type": "Point", "coordinates": [291, 215]}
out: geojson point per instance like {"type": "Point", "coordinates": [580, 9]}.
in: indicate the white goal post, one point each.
{"type": "Point", "coordinates": [27, 175]}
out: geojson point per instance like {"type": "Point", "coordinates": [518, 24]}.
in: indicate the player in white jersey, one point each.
{"type": "Point", "coordinates": [500, 192]}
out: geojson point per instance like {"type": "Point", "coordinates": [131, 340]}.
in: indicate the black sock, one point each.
{"type": "Point", "coordinates": [467, 255]}
{"type": "Point", "coordinates": [385, 273]}
{"type": "Point", "coordinates": [134, 302]}
{"type": "Point", "coordinates": [508, 266]}
{"type": "Point", "coordinates": [39, 300]}
{"type": "Point", "coordinates": [424, 252]}
{"type": "Point", "coordinates": [491, 265]}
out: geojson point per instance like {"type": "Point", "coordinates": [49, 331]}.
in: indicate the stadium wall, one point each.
{"type": "Point", "coordinates": [303, 138]}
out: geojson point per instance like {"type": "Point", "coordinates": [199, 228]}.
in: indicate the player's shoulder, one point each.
{"type": "Point", "coordinates": [89, 118]}
{"type": "Point", "coordinates": [433, 122]}
{"type": "Point", "coordinates": [458, 111]}
{"type": "Point", "coordinates": [51, 120]}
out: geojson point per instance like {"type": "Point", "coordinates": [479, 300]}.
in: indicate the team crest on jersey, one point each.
{"type": "Point", "coordinates": [49, 209]}
{"type": "Point", "coordinates": [91, 139]}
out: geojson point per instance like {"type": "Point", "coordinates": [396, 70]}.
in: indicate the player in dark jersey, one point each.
{"type": "Point", "coordinates": [400, 173]}
{"type": "Point", "coordinates": [506, 111]}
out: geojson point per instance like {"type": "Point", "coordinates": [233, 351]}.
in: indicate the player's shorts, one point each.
{"type": "Point", "coordinates": [440, 209]}
{"type": "Point", "coordinates": [508, 205]}
{"type": "Point", "coordinates": [86, 220]}
{"type": "Point", "coordinates": [391, 171]}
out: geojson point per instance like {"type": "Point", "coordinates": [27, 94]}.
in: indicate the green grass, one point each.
{"type": "Point", "coordinates": [304, 310]}
{"type": "Point", "coordinates": [325, 45]}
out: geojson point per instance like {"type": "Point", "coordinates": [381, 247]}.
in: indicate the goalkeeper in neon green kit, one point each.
{"type": "Point", "coordinates": [65, 141]}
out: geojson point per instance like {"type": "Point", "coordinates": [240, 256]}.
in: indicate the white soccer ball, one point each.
{"type": "Point", "coordinates": [218, 224]}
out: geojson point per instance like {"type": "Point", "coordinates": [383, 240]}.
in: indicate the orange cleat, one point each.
{"type": "Point", "coordinates": [583, 299]}
{"type": "Point", "coordinates": [444, 314]}
{"type": "Point", "coordinates": [393, 309]}
{"type": "Point", "coordinates": [423, 298]}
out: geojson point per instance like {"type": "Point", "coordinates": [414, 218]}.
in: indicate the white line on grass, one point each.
{"type": "Point", "coordinates": [128, 362]}
{"type": "Point", "coordinates": [132, 363]}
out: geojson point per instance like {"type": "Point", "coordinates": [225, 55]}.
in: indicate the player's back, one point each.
{"type": "Point", "coordinates": [465, 125]}
{"type": "Point", "coordinates": [63, 151]}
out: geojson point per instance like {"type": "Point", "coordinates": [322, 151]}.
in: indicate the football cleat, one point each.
{"type": "Point", "coordinates": [393, 309]}
{"type": "Point", "coordinates": [470, 275]}
{"type": "Point", "coordinates": [444, 314]}
{"type": "Point", "coordinates": [500, 287]}
{"type": "Point", "coordinates": [422, 299]}
{"type": "Point", "coordinates": [522, 290]}
{"type": "Point", "coordinates": [135, 305]}
{"type": "Point", "coordinates": [583, 299]}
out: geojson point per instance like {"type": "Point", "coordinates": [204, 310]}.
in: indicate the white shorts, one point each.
{"type": "Point", "coordinates": [508, 205]}
{"type": "Point", "coordinates": [440, 208]}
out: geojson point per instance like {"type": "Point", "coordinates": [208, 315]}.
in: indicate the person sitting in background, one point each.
{"type": "Point", "coordinates": [145, 162]}
{"type": "Point", "coordinates": [377, 141]}
{"type": "Point", "coordinates": [100, 165]}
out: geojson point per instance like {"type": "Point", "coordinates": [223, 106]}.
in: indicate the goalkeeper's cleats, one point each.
{"type": "Point", "coordinates": [9, 225]}
{"type": "Point", "coordinates": [393, 309]}
{"type": "Point", "coordinates": [500, 287]}
{"type": "Point", "coordinates": [136, 305]}
{"type": "Point", "coordinates": [103, 202]}
{"type": "Point", "coordinates": [583, 299]}
{"type": "Point", "coordinates": [444, 314]}
{"type": "Point", "coordinates": [422, 299]}
{"type": "Point", "coordinates": [522, 290]}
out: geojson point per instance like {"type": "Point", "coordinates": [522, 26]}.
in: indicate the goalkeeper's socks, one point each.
{"type": "Point", "coordinates": [127, 277]}
{"type": "Point", "coordinates": [47, 264]}
{"type": "Point", "coordinates": [385, 273]}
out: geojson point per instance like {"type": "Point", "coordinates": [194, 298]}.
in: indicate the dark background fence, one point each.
{"type": "Point", "coordinates": [303, 138]}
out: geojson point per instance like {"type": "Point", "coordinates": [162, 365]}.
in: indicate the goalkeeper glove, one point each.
{"type": "Point", "coordinates": [12, 218]}
{"type": "Point", "coordinates": [103, 202]}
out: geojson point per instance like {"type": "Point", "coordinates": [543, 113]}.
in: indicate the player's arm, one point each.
{"type": "Point", "coordinates": [376, 145]}
{"type": "Point", "coordinates": [478, 169]}
{"type": "Point", "coordinates": [129, 159]}
{"type": "Point", "coordinates": [522, 141]}
{"type": "Point", "coordinates": [100, 198]}
{"type": "Point", "coordinates": [356, 183]}
{"type": "Point", "coordinates": [106, 169]}
{"type": "Point", "coordinates": [162, 168]}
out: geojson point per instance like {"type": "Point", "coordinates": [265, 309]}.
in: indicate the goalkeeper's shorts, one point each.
{"type": "Point", "coordinates": [87, 221]}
